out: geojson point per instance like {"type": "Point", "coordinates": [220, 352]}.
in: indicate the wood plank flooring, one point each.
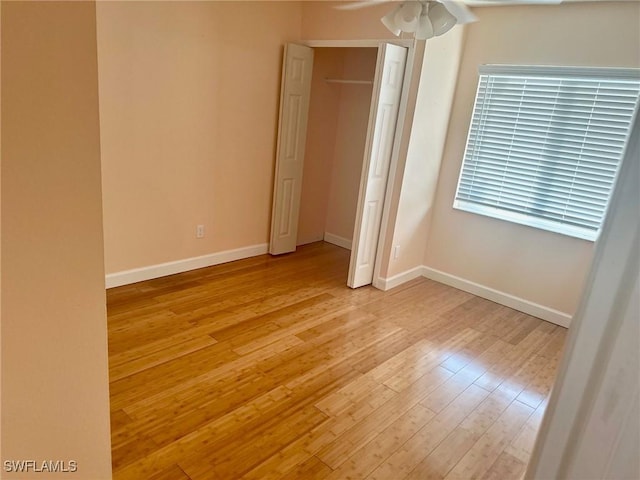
{"type": "Point", "coordinates": [272, 368]}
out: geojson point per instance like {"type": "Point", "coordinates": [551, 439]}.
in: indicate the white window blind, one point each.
{"type": "Point", "coordinates": [545, 144]}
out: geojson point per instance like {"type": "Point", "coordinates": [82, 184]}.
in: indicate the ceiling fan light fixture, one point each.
{"type": "Point", "coordinates": [427, 18]}
{"type": "Point", "coordinates": [389, 21]}
{"type": "Point", "coordinates": [408, 15]}
{"type": "Point", "coordinates": [425, 28]}
{"type": "Point", "coordinates": [441, 20]}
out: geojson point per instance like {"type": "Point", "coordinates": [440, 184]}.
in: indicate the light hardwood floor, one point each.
{"type": "Point", "coordinates": [273, 368]}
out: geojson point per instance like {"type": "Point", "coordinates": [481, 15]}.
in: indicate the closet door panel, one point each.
{"type": "Point", "coordinates": [292, 131]}
{"type": "Point", "coordinates": [385, 105]}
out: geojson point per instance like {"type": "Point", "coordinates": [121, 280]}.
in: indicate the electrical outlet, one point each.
{"type": "Point", "coordinates": [200, 231]}
{"type": "Point", "coordinates": [396, 251]}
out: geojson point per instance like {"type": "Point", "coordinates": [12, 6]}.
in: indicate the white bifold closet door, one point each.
{"type": "Point", "coordinates": [292, 133]}
{"type": "Point", "coordinates": [385, 105]}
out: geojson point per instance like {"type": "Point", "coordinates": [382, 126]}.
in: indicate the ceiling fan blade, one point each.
{"type": "Point", "coordinates": [460, 11]}
{"type": "Point", "coordinates": [360, 4]}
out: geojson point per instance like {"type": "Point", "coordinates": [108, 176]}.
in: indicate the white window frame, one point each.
{"type": "Point", "coordinates": [617, 74]}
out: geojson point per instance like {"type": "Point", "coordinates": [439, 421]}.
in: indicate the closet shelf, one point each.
{"type": "Point", "coordinates": [350, 82]}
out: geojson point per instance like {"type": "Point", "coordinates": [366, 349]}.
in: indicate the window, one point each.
{"type": "Point", "coordinates": [545, 144]}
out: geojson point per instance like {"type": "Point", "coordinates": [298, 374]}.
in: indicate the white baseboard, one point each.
{"type": "Point", "coordinates": [520, 304]}
{"type": "Point", "coordinates": [530, 308]}
{"type": "Point", "coordinates": [391, 282]}
{"type": "Point", "coordinates": [163, 269]}
{"type": "Point", "coordinates": [337, 240]}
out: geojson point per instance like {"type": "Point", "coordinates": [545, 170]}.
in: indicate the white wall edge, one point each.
{"type": "Point", "coordinates": [337, 240]}
{"type": "Point", "coordinates": [127, 277]}
{"type": "Point", "coordinates": [391, 282]}
{"type": "Point", "coordinates": [520, 304]}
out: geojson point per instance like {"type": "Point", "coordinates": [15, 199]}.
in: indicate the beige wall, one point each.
{"type": "Point", "coordinates": [538, 266]}
{"type": "Point", "coordinates": [188, 111]}
{"type": "Point", "coordinates": [430, 123]}
{"type": "Point", "coordinates": [55, 403]}
{"type": "Point", "coordinates": [0, 228]}
{"type": "Point", "coordinates": [188, 115]}
{"type": "Point", "coordinates": [322, 21]}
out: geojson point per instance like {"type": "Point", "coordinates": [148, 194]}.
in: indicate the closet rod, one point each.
{"type": "Point", "coordinates": [352, 82]}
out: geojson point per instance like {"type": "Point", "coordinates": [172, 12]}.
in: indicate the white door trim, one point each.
{"type": "Point", "coordinates": [356, 43]}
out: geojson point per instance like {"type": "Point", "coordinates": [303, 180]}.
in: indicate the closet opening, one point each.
{"type": "Point", "coordinates": [341, 89]}
{"type": "Point", "coordinates": [339, 109]}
